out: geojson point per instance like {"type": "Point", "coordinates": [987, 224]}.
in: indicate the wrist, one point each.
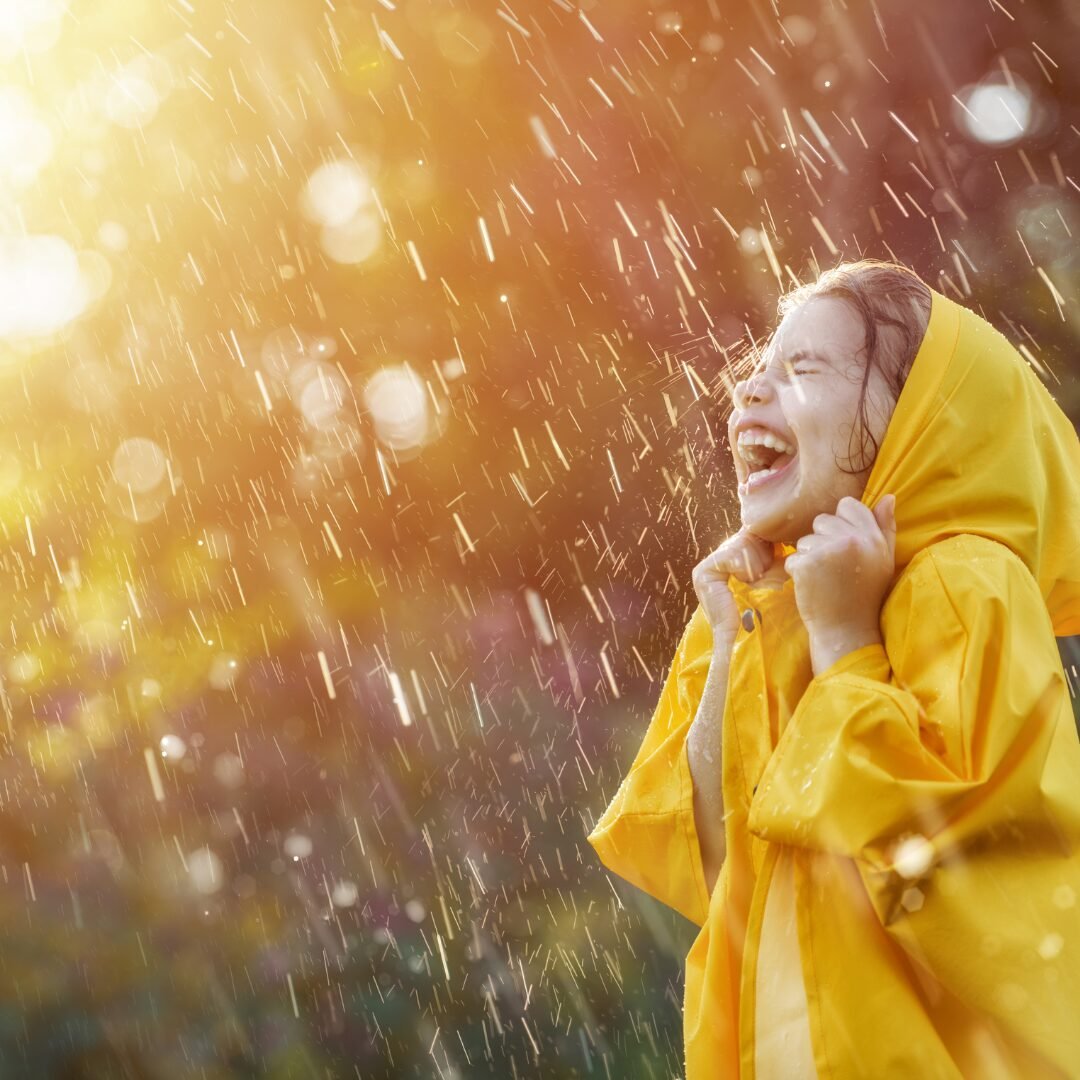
{"type": "Point", "coordinates": [829, 644]}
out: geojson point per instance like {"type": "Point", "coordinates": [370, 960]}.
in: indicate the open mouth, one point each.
{"type": "Point", "coordinates": [765, 457]}
{"type": "Point", "coordinates": [760, 477]}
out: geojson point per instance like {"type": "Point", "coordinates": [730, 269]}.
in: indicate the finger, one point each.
{"type": "Point", "coordinates": [710, 568]}
{"type": "Point", "coordinates": [830, 525]}
{"type": "Point", "coordinates": [761, 552]}
{"type": "Point", "coordinates": [762, 546]}
{"type": "Point", "coordinates": [747, 554]}
{"type": "Point", "coordinates": [727, 559]}
{"type": "Point", "coordinates": [749, 566]}
{"type": "Point", "coordinates": [810, 542]}
{"type": "Point", "coordinates": [856, 513]}
{"type": "Point", "coordinates": [763, 556]}
{"type": "Point", "coordinates": [885, 516]}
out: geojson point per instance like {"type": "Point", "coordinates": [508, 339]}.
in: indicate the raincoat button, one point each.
{"type": "Point", "coordinates": [748, 620]}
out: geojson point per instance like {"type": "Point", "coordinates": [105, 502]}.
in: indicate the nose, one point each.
{"type": "Point", "coordinates": [749, 390]}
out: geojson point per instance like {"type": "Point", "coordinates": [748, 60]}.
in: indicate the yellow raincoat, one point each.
{"type": "Point", "coordinates": [913, 812]}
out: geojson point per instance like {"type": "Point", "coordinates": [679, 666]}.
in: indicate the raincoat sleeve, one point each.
{"type": "Point", "coordinates": [647, 833]}
{"type": "Point", "coordinates": [939, 738]}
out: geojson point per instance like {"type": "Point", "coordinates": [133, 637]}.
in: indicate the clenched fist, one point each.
{"type": "Point", "coordinates": [746, 556]}
{"type": "Point", "coordinates": [842, 572]}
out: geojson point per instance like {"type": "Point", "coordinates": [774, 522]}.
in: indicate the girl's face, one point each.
{"type": "Point", "coordinates": [803, 398]}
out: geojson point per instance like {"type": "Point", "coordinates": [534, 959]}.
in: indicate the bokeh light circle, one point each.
{"type": "Point", "coordinates": [26, 143]}
{"type": "Point", "coordinates": [353, 241]}
{"type": "Point", "coordinates": [29, 25]}
{"type": "Point", "coordinates": [996, 113]}
{"type": "Point", "coordinates": [335, 192]}
{"type": "Point", "coordinates": [172, 747]}
{"type": "Point", "coordinates": [42, 288]}
{"type": "Point", "coordinates": [205, 871]}
{"type": "Point", "coordinates": [139, 463]}
{"type": "Point", "coordinates": [397, 399]}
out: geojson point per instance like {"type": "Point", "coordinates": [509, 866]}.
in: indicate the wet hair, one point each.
{"type": "Point", "coordinates": [887, 297]}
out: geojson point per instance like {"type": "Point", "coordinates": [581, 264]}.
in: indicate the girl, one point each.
{"type": "Point", "coordinates": [862, 779]}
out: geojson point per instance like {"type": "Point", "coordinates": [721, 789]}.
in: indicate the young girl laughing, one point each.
{"type": "Point", "coordinates": [862, 779]}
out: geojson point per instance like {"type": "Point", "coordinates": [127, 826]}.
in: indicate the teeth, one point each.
{"type": "Point", "coordinates": [760, 474]}
{"type": "Point", "coordinates": [765, 438]}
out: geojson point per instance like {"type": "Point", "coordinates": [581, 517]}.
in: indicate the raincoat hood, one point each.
{"type": "Point", "coordinates": [977, 445]}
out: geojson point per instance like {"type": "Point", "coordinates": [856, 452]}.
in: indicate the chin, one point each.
{"type": "Point", "coordinates": [766, 529]}
{"type": "Point", "coordinates": [777, 509]}
{"type": "Point", "coordinates": [775, 525]}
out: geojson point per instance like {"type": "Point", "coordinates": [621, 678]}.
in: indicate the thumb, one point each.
{"type": "Point", "coordinates": [885, 516]}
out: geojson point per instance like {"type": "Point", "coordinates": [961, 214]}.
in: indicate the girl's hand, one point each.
{"type": "Point", "coordinates": [842, 572]}
{"type": "Point", "coordinates": [746, 556]}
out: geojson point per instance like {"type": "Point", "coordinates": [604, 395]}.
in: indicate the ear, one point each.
{"type": "Point", "coordinates": [885, 516]}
